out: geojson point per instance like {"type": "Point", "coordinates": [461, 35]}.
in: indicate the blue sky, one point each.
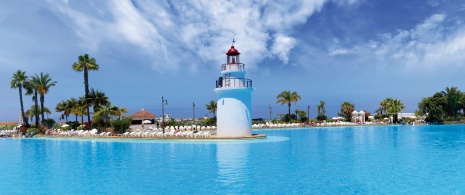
{"type": "Point", "coordinates": [348, 50]}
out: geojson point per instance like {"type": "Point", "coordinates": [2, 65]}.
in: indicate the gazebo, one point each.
{"type": "Point", "coordinates": [142, 115]}
{"type": "Point", "coordinates": [358, 117]}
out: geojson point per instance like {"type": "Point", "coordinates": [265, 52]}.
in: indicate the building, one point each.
{"type": "Point", "coordinates": [358, 117]}
{"type": "Point", "coordinates": [406, 115]}
{"type": "Point", "coordinates": [141, 116]}
{"type": "Point", "coordinates": [234, 91]}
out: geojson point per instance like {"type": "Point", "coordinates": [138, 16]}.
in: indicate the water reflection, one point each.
{"type": "Point", "coordinates": [232, 165]}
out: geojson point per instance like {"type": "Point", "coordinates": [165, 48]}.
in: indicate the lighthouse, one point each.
{"type": "Point", "coordinates": [234, 91]}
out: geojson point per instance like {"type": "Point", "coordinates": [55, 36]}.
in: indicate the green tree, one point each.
{"type": "Point", "coordinates": [122, 111]}
{"type": "Point", "coordinates": [321, 109]}
{"type": "Point", "coordinates": [30, 113]}
{"type": "Point", "coordinates": [121, 125]}
{"type": "Point", "coordinates": [392, 107]}
{"type": "Point", "coordinates": [81, 107]}
{"type": "Point", "coordinates": [43, 82]}
{"type": "Point", "coordinates": [18, 81]}
{"type": "Point", "coordinates": [433, 107]}
{"type": "Point", "coordinates": [70, 107]}
{"type": "Point", "coordinates": [84, 64]}
{"type": "Point", "coordinates": [452, 96]}
{"type": "Point", "coordinates": [31, 89]}
{"type": "Point", "coordinates": [106, 112]}
{"type": "Point", "coordinates": [98, 98]}
{"type": "Point", "coordinates": [61, 107]}
{"type": "Point", "coordinates": [302, 115]}
{"type": "Point", "coordinates": [212, 107]}
{"type": "Point", "coordinates": [346, 110]}
{"type": "Point", "coordinates": [286, 97]}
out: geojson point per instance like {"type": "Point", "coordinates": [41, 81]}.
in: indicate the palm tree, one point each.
{"type": "Point", "coordinates": [453, 96]}
{"type": "Point", "coordinates": [286, 97]}
{"type": "Point", "coordinates": [61, 107]}
{"type": "Point", "coordinates": [211, 107]}
{"type": "Point", "coordinates": [71, 105]}
{"type": "Point", "coordinates": [98, 98]}
{"type": "Point", "coordinates": [346, 110]}
{"type": "Point", "coordinates": [18, 81]}
{"type": "Point", "coordinates": [30, 113]}
{"type": "Point", "coordinates": [122, 111]}
{"type": "Point", "coordinates": [321, 108]}
{"type": "Point", "coordinates": [106, 112]}
{"type": "Point", "coordinates": [393, 106]}
{"type": "Point", "coordinates": [80, 108]}
{"type": "Point", "coordinates": [85, 64]}
{"type": "Point", "coordinates": [321, 111]}
{"type": "Point", "coordinates": [31, 89]}
{"type": "Point", "coordinates": [44, 82]}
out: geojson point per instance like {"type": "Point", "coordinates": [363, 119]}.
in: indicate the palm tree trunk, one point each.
{"type": "Point", "coordinates": [22, 107]}
{"type": "Point", "coordinates": [36, 109]}
{"type": "Point", "coordinates": [86, 88]}
{"type": "Point", "coordinates": [289, 109]}
{"type": "Point", "coordinates": [88, 116]}
{"type": "Point", "coordinates": [42, 107]}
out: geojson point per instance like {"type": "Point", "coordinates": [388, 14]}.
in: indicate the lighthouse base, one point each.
{"type": "Point", "coordinates": [234, 117]}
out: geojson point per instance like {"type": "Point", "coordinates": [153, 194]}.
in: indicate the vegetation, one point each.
{"type": "Point", "coordinates": [212, 107]}
{"type": "Point", "coordinates": [18, 81]}
{"type": "Point", "coordinates": [106, 113]}
{"type": "Point", "coordinates": [32, 131]}
{"type": "Point", "coordinates": [121, 125]}
{"type": "Point", "coordinates": [31, 89]}
{"type": "Point", "coordinates": [442, 106]}
{"type": "Point", "coordinates": [346, 110]}
{"type": "Point", "coordinates": [286, 97]}
{"type": "Point", "coordinates": [49, 123]}
{"type": "Point", "coordinates": [390, 107]}
{"type": "Point", "coordinates": [43, 84]}
{"type": "Point", "coordinates": [84, 64]}
{"type": "Point", "coordinates": [31, 112]}
{"type": "Point", "coordinates": [321, 111]}
{"type": "Point", "coordinates": [210, 121]}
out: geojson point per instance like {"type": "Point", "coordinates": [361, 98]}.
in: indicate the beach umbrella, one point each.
{"type": "Point", "coordinates": [65, 125]}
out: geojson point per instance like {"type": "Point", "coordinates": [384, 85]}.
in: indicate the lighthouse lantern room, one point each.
{"type": "Point", "coordinates": [234, 118]}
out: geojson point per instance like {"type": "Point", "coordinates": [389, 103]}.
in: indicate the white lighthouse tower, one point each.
{"type": "Point", "coordinates": [234, 98]}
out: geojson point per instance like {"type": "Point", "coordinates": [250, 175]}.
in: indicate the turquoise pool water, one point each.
{"type": "Point", "coordinates": [338, 160]}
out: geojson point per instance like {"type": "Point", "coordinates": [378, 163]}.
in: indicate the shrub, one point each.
{"type": "Point", "coordinates": [120, 126]}
{"type": "Point", "coordinates": [49, 123]}
{"type": "Point", "coordinates": [321, 117]}
{"type": "Point", "coordinates": [73, 124]}
{"type": "Point", "coordinates": [32, 131]}
{"type": "Point", "coordinates": [81, 128]}
{"type": "Point", "coordinates": [210, 121]}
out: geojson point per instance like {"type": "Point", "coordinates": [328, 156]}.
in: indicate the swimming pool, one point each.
{"type": "Point", "coordinates": [383, 159]}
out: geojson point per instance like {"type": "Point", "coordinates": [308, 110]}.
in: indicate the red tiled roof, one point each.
{"type": "Point", "coordinates": [144, 114]}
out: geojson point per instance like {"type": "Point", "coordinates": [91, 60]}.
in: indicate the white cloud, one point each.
{"type": "Point", "coordinates": [432, 44]}
{"type": "Point", "coordinates": [282, 46]}
{"type": "Point", "coordinates": [196, 31]}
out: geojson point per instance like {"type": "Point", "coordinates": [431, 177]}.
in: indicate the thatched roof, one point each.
{"type": "Point", "coordinates": [142, 115]}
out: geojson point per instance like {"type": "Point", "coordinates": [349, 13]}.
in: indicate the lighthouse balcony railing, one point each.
{"type": "Point", "coordinates": [233, 66]}
{"type": "Point", "coordinates": [234, 82]}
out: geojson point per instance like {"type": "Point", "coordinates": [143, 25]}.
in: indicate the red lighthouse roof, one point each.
{"type": "Point", "coordinates": [233, 51]}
